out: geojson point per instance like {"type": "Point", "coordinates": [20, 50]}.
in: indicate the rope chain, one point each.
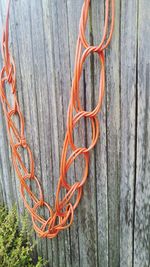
{"type": "Point", "coordinates": [61, 216]}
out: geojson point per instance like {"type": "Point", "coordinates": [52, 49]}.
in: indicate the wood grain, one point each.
{"type": "Point", "coordinates": [112, 223]}
{"type": "Point", "coordinates": [142, 182]}
{"type": "Point", "coordinates": [128, 63]}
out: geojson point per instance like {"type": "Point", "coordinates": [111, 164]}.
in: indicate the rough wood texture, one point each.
{"type": "Point", "coordinates": [112, 224]}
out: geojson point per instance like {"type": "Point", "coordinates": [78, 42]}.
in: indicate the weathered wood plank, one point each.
{"type": "Point", "coordinates": [87, 210]}
{"type": "Point", "coordinates": [8, 177]}
{"type": "Point", "coordinates": [62, 82]}
{"type": "Point", "coordinates": [142, 183]}
{"type": "Point", "coordinates": [113, 141]}
{"type": "Point", "coordinates": [128, 128]}
{"type": "Point", "coordinates": [74, 173]}
{"type": "Point", "coordinates": [97, 23]}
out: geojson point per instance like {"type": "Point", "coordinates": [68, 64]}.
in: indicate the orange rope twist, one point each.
{"type": "Point", "coordinates": [61, 217]}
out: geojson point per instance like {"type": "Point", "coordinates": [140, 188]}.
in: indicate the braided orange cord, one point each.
{"type": "Point", "coordinates": [61, 216]}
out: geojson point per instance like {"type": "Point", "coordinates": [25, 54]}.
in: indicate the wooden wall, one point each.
{"type": "Point", "coordinates": [112, 223]}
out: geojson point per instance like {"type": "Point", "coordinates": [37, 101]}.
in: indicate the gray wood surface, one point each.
{"type": "Point", "coordinates": [112, 223]}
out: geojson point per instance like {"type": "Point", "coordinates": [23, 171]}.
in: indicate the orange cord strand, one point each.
{"type": "Point", "coordinates": [61, 217]}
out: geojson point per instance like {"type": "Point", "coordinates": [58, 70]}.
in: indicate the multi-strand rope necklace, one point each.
{"type": "Point", "coordinates": [61, 216]}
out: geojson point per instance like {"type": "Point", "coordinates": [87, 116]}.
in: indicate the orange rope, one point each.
{"type": "Point", "coordinates": [61, 216]}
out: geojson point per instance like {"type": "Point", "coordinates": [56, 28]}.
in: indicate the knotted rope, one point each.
{"type": "Point", "coordinates": [61, 216]}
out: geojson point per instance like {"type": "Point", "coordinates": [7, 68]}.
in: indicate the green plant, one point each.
{"type": "Point", "coordinates": [16, 248]}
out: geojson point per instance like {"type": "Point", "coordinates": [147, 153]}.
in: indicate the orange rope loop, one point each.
{"type": "Point", "coordinates": [61, 216]}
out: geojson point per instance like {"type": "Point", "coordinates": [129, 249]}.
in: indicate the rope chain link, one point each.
{"type": "Point", "coordinates": [61, 216]}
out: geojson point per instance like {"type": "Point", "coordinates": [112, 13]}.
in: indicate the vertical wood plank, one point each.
{"type": "Point", "coordinates": [8, 181]}
{"type": "Point", "coordinates": [75, 170]}
{"type": "Point", "coordinates": [97, 23]}
{"type": "Point", "coordinates": [113, 141]}
{"type": "Point", "coordinates": [87, 208]}
{"type": "Point", "coordinates": [142, 184]}
{"type": "Point", "coordinates": [62, 64]}
{"type": "Point", "coordinates": [128, 128]}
